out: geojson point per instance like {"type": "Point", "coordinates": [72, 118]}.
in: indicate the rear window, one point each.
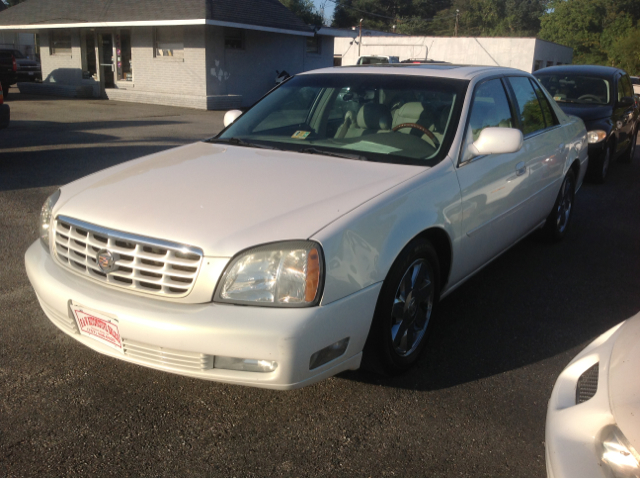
{"type": "Point", "coordinates": [575, 88]}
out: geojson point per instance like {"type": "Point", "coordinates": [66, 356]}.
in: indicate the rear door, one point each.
{"type": "Point", "coordinates": [544, 149]}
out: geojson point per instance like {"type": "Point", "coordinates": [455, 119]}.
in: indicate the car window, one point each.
{"type": "Point", "coordinates": [575, 88]}
{"type": "Point", "coordinates": [489, 108]}
{"type": "Point", "coordinates": [628, 89]}
{"type": "Point", "coordinates": [389, 118]}
{"type": "Point", "coordinates": [529, 109]}
{"type": "Point", "coordinates": [620, 89]}
{"type": "Point", "coordinates": [549, 117]}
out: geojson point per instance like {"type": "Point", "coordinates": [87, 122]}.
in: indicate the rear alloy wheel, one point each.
{"type": "Point", "coordinates": [403, 313]}
{"type": "Point", "coordinates": [560, 216]}
{"type": "Point", "coordinates": [628, 156]}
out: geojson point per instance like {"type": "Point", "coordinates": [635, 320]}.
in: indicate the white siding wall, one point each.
{"type": "Point", "coordinates": [507, 52]}
{"type": "Point", "coordinates": [61, 68]}
{"type": "Point", "coordinates": [251, 72]}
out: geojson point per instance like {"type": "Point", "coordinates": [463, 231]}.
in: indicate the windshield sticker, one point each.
{"type": "Point", "coordinates": [301, 135]}
{"type": "Point", "coordinates": [372, 147]}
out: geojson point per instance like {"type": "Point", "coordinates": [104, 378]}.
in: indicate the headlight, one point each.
{"type": "Point", "coordinates": [288, 274]}
{"type": "Point", "coordinates": [618, 454]}
{"type": "Point", "coordinates": [596, 136]}
{"type": "Point", "coordinates": [45, 217]}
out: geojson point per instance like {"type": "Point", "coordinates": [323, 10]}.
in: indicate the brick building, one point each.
{"type": "Point", "coordinates": [207, 54]}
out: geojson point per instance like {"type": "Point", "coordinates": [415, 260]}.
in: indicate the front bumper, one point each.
{"type": "Point", "coordinates": [573, 430]}
{"type": "Point", "coordinates": [5, 115]}
{"type": "Point", "coordinates": [287, 335]}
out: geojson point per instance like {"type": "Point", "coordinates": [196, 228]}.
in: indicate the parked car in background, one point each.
{"type": "Point", "coordinates": [5, 111]}
{"type": "Point", "coordinates": [8, 69]}
{"type": "Point", "coordinates": [635, 81]}
{"type": "Point", "coordinates": [376, 60]}
{"type": "Point", "coordinates": [318, 230]}
{"type": "Point", "coordinates": [593, 417]}
{"type": "Point", "coordinates": [603, 97]}
{"type": "Point", "coordinates": [27, 70]}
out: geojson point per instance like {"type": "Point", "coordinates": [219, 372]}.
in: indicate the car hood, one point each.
{"type": "Point", "coordinates": [624, 387]}
{"type": "Point", "coordinates": [224, 199]}
{"type": "Point", "coordinates": [587, 112]}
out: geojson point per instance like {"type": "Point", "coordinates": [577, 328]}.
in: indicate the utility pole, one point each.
{"type": "Point", "coordinates": [455, 33]}
{"type": "Point", "coordinates": [360, 40]}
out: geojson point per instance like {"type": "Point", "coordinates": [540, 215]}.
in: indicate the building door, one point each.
{"type": "Point", "coordinates": [107, 66]}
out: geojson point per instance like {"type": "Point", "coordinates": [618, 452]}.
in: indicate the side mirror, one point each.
{"type": "Point", "coordinates": [626, 101]}
{"type": "Point", "coordinates": [230, 117]}
{"type": "Point", "coordinates": [495, 141]}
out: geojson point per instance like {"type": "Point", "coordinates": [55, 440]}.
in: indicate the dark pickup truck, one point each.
{"type": "Point", "coordinates": [8, 70]}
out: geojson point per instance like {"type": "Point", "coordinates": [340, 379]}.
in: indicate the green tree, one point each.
{"type": "Point", "coordinates": [577, 24]}
{"type": "Point", "coordinates": [626, 52]}
{"type": "Point", "coordinates": [305, 10]}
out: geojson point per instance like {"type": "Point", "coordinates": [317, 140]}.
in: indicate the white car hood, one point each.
{"type": "Point", "coordinates": [224, 199]}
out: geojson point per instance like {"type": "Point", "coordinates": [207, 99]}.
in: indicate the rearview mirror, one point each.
{"type": "Point", "coordinates": [495, 141]}
{"type": "Point", "coordinates": [230, 117]}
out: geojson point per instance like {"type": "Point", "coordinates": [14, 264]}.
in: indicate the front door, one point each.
{"type": "Point", "coordinates": [107, 66]}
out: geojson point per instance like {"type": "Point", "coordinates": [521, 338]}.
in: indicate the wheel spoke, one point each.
{"type": "Point", "coordinates": [399, 332]}
{"type": "Point", "coordinates": [397, 311]}
{"type": "Point", "coordinates": [423, 291]}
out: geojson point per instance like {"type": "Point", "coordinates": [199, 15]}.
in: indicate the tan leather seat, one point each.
{"type": "Point", "coordinates": [371, 118]}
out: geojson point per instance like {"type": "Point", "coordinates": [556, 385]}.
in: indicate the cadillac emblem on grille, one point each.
{"type": "Point", "coordinates": [106, 260]}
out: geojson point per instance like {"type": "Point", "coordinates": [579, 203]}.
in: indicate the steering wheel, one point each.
{"type": "Point", "coordinates": [421, 128]}
{"type": "Point", "coordinates": [589, 97]}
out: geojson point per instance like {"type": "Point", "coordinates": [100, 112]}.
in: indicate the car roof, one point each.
{"type": "Point", "coordinates": [592, 70]}
{"type": "Point", "coordinates": [436, 70]}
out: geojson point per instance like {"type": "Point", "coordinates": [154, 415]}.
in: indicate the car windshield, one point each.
{"type": "Point", "coordinates": [576, 88]}
{"type": "Point", "coordinates": [387, 118]}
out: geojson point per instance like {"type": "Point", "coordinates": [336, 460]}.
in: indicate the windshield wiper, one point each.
{"type": "Point", "coordinates": [239, 142]}
{"type": "Point", "coordinates": [567, 101]}
{"type": "Point", "coordinates": [312, 150]}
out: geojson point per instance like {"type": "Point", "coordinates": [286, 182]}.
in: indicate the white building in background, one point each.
{"type": "Point", "coordinates": [528, 54]}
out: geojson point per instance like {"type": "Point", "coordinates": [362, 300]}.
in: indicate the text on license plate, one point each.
{"type": "Point", "coordinates": [98, 326]}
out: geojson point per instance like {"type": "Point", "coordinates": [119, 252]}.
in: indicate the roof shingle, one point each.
{"type": "Point", "coordinates": [265, 13]}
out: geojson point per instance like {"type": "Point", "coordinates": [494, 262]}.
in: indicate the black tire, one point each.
{"type": "Point", "coordinates": [559, 219]}
{"type": "Point", "coordinates": [599, 168]}
{"type": "Point", "coordinates": [630, 153]}
{"type": "Point", "coordinates": [404, 310]}
{"type": "Point", "coordinates": [5, 90]}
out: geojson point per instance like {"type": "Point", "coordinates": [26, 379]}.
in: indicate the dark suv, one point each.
{"type": "Point", "coordinates": [27, 70]}
{"type": "Point", "coordinates": [8, 69]}
{"type": "Point", "coordinates": [603, 98]}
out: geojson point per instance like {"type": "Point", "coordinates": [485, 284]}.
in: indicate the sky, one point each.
{"type": "Point", "coordinates": [329, 7]}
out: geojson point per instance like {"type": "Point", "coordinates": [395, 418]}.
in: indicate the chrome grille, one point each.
{"type": "Point", "coordinates": [174, 359]}
{"type": "Point", "coordinates": [142, 264]}
{"type": "Point", "coordinates": [587, 384]}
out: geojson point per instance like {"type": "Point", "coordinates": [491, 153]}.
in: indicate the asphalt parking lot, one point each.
{"type": "Point", "coordinates": [475, 405]}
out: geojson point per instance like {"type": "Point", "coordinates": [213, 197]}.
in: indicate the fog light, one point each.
{"type": "Point", "coordinates": [328, 354]}
{"type": "Point", "coordinates": [240, 364]}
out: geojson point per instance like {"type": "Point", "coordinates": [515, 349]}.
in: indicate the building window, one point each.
{"type": "Point", "coordinates": [537, 65]}
{"type": "Point", "coordinates": [123, 55]}
{"type": "Point", "coordinates": [60, 42]}
{"type": "Point", "coordinates": [169, 42]}
{"type": "Point", "coordinates": [313, 44]}
{"type": "Point", "coordinates": [234, 39]}
{"type": "Point", "coordinates": [549, 64]}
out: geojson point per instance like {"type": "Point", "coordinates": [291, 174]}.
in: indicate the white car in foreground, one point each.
{"type": "Point", "coordinates": [593, 418]}
{"type": "Point", "coordinates": [325, 222]}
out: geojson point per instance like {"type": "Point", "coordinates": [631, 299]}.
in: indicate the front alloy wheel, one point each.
{"type": "Point", "coordinates": [403, 314]}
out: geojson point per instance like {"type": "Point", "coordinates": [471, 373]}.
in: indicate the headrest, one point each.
{"type": "Point", "coordinates": [412, 110]}
{"type": "Point", "coordinates": [373, 116]}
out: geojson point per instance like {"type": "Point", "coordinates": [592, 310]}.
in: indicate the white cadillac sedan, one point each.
{"type": "Point", "coordinates": [593, 417]}
{"type": "Point", "coordinates": [317, 231]}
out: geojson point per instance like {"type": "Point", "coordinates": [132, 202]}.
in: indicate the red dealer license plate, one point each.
{"type": "Point", "coordinates": [98, 326]}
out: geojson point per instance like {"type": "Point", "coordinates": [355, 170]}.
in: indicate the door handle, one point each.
{"type": "Point", "coordinates": [520, 169]}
